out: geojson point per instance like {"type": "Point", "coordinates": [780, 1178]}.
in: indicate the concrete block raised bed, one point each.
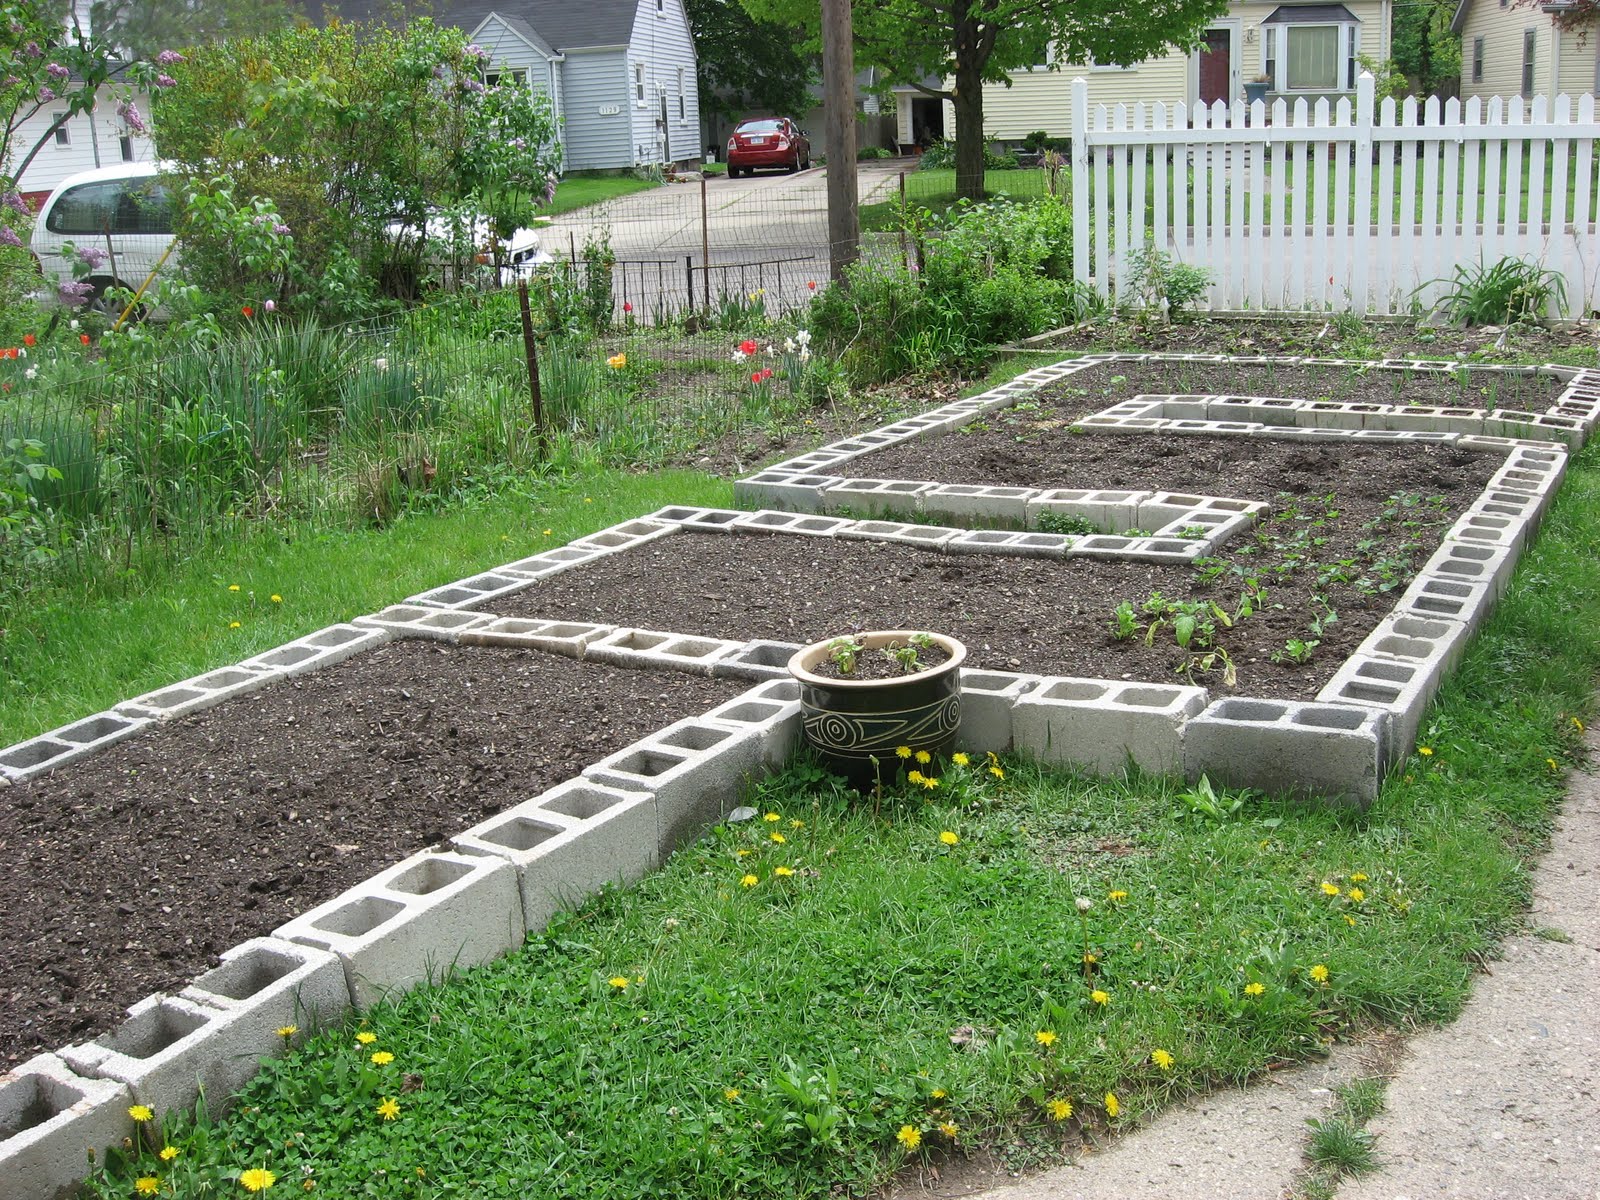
{"type": "Point", "coordinates": [1283, 746]}
{"type": "Point", "coordinates": [201, 692]}
{"type": "Point", "coordinates": [50, 750]}
{"type": "Point", "coordinates": [1101, 724]}
{"type": "Point", "coordinates": [320, 649]}
{"type": "Point", "coordinates": [421, 621]}
{"type": "Point", "coordinates": [52, 1122]}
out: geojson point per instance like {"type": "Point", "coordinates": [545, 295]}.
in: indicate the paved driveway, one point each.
{"type": "Point", "coordinates": [767, 232]}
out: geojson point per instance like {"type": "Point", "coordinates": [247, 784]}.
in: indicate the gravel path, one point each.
{"type": "Point", "coordinates": [1502, 1104]}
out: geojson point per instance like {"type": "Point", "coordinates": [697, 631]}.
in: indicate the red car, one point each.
{"type": "Point", "coordinates": [767, 142]}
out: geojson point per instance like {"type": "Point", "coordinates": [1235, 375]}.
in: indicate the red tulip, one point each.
{"type": "Point", "coordinates": [747, 347]}
{"type": "Point", "coordinates": [84, 338]}
{"type": "Point", "coordinates": [248, 311]}
{"type": "Point", "coordinates": [28, 339]}
{"type": "Point", "coordinates": [755, 377]}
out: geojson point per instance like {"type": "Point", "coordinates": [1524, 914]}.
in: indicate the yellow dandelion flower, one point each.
{"type": "Point", "coordinates": [1425, 751]}
{"type": "Point", "coordinates": [168, 1153]}
{"type": "Point", "coordinates": [909, 1137]}
{"type": "Point", "coordinates": [275, 598]}
{"type": "Point", "coordinates": [389, 1109]}
{"type": "Point", "coordinates": [949, 1129]}
{"type": "Point", "coordinates": [366, 1037]}
{"type": "Point", "coordinates": [235, 625]}
{"type": "Point", "coordinates": [1091, 958]}
{"type": "Point", "coordinates": [620, 982]}
{"type": "Point", "coordinates": [997, 772]}
{"type": "Point", "coordinates": [772, 817]}
{"type": "Point", "coordinates": [1045, 1037]}
{"type": "Point", "coordinates": [783, 872]}
{"type": "Point", "coordinates": [1329, 889]}
{"type": "Point", "coordinates": [748, 881]}
{"type": "Point", "coordinates": [1117, 897]}
{"type": "Point", "coordinates": [923, 758]}
{"type": "Point", "coordinates": [1551, 763]}
{"type": "Point", "coordinates": [1319, 973]}
{"type": "Point", "coordinates": [1059, 1110]}
{"type": "Point", "coordinates": [1578, 724]}
{"type": "Point", "coordinates": [777, 837]}
{"type": "Point", "coordinates": [1099, 997]}
{"type": "Point", "coordinates": [902, 751]}
{"type": "Point", "coordinates": [1358, 877]}
{"type": "Point", "coordinates": [1357, 895]}
{"type": "Point", "coordinates": [1113, 1105]}
{"type": "Point", "coordinates": [1254, 988]}
{"type": "Point", "coordinates": [960, 760]}
{"type": "Point", "coordinates": [233, 587]}
{"type": "Point", "coordinates": [796, 823]}
{"type": "Point", "coordinates": [141, 1113]}
{"type": "Point", "coordinates": [745, 853]}
{"type": "Point", "coordinates": [914, 776]}
{"type": "Point", "coordinates": [939, 1093]}
{"type": "Point", "coordinates": [730, 1093]}
{"type": "Point", "coordinates": [257, 1179]}
{"type": "Point", "coordinates": [1349, 920]}
{"type": "Point", "coordinates": [288, 1031]}
{"type": "Point", "coordinates": [1161, 1059]}
{"type": "Point", "coordinates": [147, 1185]}
{"type": "Point", "coordinates": [382, 1058]}
{"type": "Point", "coordinates": [929, 783]}
{"type": "Point", "coordinates": [949, 838]}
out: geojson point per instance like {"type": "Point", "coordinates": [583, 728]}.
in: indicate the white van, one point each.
{"type": "Point", "coordinates": [121, 216]}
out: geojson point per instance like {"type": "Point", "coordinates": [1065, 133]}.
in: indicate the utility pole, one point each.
{"type": "Point", "coordinates": [839, 111]}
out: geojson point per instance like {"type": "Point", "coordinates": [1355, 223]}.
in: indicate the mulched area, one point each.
{"type": "Point", "coordinates": [1324, 338]}
{"type": "Point", "coordinates": [1036, 449]}
{"type": "Point", "coordinates": [1043, 616]}
{"type": "Point", "coordinates": [131, 870]}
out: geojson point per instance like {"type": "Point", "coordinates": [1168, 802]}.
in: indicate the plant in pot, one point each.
{"type": "Point", "coordinates": [1257, 88]}
{"type": "Point", "coordinates": [865, 695]}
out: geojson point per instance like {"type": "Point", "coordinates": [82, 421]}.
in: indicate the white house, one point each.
{"type": "Point", "coordinates": [96, 138]}
{"type": "Point", "coordinates": [1510, 49]}
{"type": "Point", "coordinates": [1302, 50]}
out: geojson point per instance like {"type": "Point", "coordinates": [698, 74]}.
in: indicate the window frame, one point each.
{"type": "Point", "coordinates": [1477, 59]}
{"type": "Point", "coordinates": [63, 134]}
{"type": "Point", "coordinates": [1530, 44]}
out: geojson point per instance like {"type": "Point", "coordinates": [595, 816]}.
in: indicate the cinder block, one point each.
{"type": "Point", "coordinates": [625, 535]}
{"type": "Point", "coordinates": [1451, 599]}
{"type": "Point", "coordinates": [653, 649]}
{"type": "Point", "coordinates": [1101, 724]}
{"type": "Point", "coordinates": [570, 638]}
{"type": "Point", "coordinates": [1470, 563]}
{"type": "Point", "coordinates": [770, 521]}
{"type": "Point", "coordinates": [51, 1121]}
{"type": "Point", "coordinates": [985, 541]}
{"type": "Point", "coordinates": [1257, 410]}
{"type": "Point", "coordinates": [756, 661]}
{"type": "Point", "coordinates": [1213, 428]}
{"type": "Point", "coordinates": [1490, 529]}
{"type": "Point", "coordinates": [1389, 685]}
{"type": "Point", "coordinates": [1109, 510]}
{"type": "Point", "coordinates": [420, 621]}
{"type": "Point", "coordinates": [168, 1051]}
{"type": "Point", "coordinates": [50, 750]}
{"type": "Point", "coordinates": [886, 498]}
{"type": "Point", "coordinates": [1042, 545]}
{"type": "Point", "coordinates": [268, 984]}
{"type": "Point", "coordinates": [696, 771]}
{"type": "Point", "coordinates": [472, 591]}
{"type": "Point", "coordinates": [550, 562]}
{"type": "Point", "coordinates": [987, 700]}
{"type": "Point", "coordinates": [1287, 747]}
{"type": "Point", "coordinates": [320, 649]}
{"type": "Point", "coordinates": [1141, 549]}
{"type": "Point", "coordinates": [1104, 424]}
{"type": "Point", "coordinates": [1396, 435]}
{"type": "Point", "coordinates": [201, 692]}
{"type": "Point", "coordinates": [413, 922]}
{"type": "Point", "coordinates": [816, 462]}
{"type": "Point", "coordinates": [927, 537]}
{"type": "Point", "coordinates": [775, 720]}
{"type": "Point", "coordinates": [788, 490]}
{"type": "Point", "coordinates": [1156, 510]}
{"type": "Point", "coordinates": [1548, 426]}
{"type": "Point", "coordinates": [1331, 414]}
{"type": "Point", "coordinates": [703, 520]}
{"type": "Point", "coordinates": [967, 501]}
{"type": "Point", "coordinates": [568, 843]}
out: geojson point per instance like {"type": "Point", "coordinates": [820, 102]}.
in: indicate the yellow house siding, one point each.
{"type": "Point", "coordinates": [1578, 65]}
{"type": "Point", "coordinates": [1501, 30]}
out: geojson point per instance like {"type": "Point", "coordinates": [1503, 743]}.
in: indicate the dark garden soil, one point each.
{"type": "Point", "coordinates": [1038, 450]}
{"type": "Point", "coordinates": [1324, 338]}
{"type": "Point", "coordinates": [131, 870]}
{"type": "Point", "coordinates": [1331, 568]}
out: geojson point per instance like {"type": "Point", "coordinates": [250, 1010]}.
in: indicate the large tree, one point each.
{"type": "Point", "coordinates": [142, 28]}
{"type": "Point", "coordinates": [973, 42]}
{"type": "Point", "coordinates": [746, 64]}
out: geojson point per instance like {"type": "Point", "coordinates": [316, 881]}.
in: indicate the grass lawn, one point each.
{"type": "Point", "coordinates": [580, 191]}
{"type": "Point", "coordinates": [805, 1002]}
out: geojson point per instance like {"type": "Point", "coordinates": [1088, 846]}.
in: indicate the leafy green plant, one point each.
{"type": "Point", "coordinates": [1158, 284]}
{"type": "Point", "coordinates": [1203, 800]}
{"type": "Point", "coordinates": [844, 652]}
{"type": "Point", "coordinates": [1296, 651]}
{"type": "Point", "coordinates": [1340, 1145]}
{"type": "Point", "coordinates": [1068, 523]}
{"type": "Point", "coordinates": [1124, 622]}
{"type": "Point", "coordinates": [1512, 289]}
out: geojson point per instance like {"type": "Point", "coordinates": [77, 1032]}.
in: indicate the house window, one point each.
{"type": "Point", "coordinates": [517, 77]}
{"type": "Point", "coordinates": [1311, 48]}
{"type": "Point", "coordinates": [125, 142]}
{"type": "Point", "coordinates": [1529, 38]}
{"type": "Point", "coordinates": [682, 111]}
{"type": "Point", "coordinates": [1477, 60]}
{"type": "Point", "coordinates": [63, 134]}
{"type": "Point", "coordinates": [638, 82]}
{"type": "Point", "coordinates": [661, 6]}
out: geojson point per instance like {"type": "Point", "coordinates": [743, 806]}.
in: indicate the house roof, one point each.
{"type": "Point", "coordinates": [519, 27]}
{"type": "Point", "coordinates": [1311, 14]}
{"type": "Point", "coordinates": [561, 24]}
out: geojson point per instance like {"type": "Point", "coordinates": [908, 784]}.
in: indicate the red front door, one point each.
{"type": "Point", "coordinates": [1215, 67]}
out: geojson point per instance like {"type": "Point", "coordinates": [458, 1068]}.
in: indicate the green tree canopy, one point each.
{"type": "Point", "coordinates": [144, 28]}
{"type": "Point", "coordinates": [973, 42]}
{"type": "Point", "coordinates": [746, 64]}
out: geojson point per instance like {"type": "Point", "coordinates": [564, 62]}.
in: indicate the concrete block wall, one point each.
{"type": "Point", "coordinates": [51, 1121]}
{"type": "Point", "coordinates": [1323, 751]}
{"type": "Point", "coordinates": [1102, 725]}
{"type": "Point", "coordinates": [47, 751]}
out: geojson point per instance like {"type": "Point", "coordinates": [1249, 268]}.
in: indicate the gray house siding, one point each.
{"type": "Point", "coordinates": [662, 43]}
{"type": "Point", "coordinates": [506, 51]}
{"type": "Point", "coordinates": [599, 129]}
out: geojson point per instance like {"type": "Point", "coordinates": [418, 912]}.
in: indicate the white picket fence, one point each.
{"type": "Point", "coordinates": [1277, 204]}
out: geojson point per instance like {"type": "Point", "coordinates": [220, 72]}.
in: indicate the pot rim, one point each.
{"type": "Point", "coordinates": [804, 658]}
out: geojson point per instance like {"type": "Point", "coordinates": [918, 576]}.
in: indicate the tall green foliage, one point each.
{"type": "Point", "coordinates": [348, 132]}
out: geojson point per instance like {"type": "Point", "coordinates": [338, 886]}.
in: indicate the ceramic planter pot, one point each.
{"type": "Point", "coordinates": [849, 722]}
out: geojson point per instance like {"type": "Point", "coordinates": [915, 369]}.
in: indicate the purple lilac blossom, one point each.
{"type": "Point", "coordinates": [549, 189]}
{"type": "Point", "coordinates": [281, 230]}
{"type": "Point", "coordinates": [472, 85]}
{"type": "Point", "coordinates": [57, 71]}
{"type": "Point", "coordinates": [166, 81]}
{"type": "Point", "coordinates": [46, 94]}
{"type": "Point", "coordinates": [74, 291]}
{"type": "Point", "coordinates": [475, 51]}
{"type": "Point", "coordinates": [93, 257]}
{"type": "Point", "coordinates": [8, 237]}
{"type": "Point", "coordinates": [129, 112]}
{"type": "Point", "coordinates": [169, 58]}
{"type": "Point", "coordinates": [15, 203]}
{"type": "Point", "coordinates": [32, 50]}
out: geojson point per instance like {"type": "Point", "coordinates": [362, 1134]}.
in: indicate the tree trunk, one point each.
{"type": "Point", "coordinates": [969, 133]}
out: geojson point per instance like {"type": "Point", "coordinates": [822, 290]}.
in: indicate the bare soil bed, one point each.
{"type": "Point", "coordinates": [1331, 566]}
{"type": "Point", "coordinates": [131, 870]}
{"type": "Point", "coordinates": [1031, 448]}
